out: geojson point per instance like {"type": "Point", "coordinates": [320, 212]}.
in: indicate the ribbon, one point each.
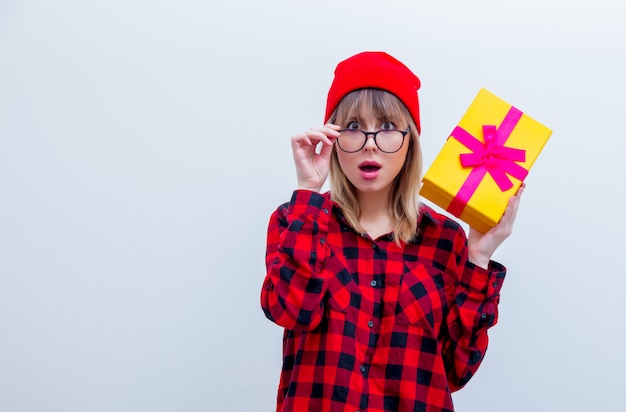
{"type": "Point", "coordinates": [489, 157]}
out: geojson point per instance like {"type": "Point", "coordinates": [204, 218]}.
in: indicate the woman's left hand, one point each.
{"type": "Point", "coordinates": [481, 246]}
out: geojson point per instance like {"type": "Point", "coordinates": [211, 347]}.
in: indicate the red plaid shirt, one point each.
{"type": "Point", "coordinates": [370, 325]}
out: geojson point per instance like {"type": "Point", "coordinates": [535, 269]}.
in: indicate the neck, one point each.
{"type": "Point", "coordinates": [375, 216]}
{"type": "Point", "coordinates": [374, 204]}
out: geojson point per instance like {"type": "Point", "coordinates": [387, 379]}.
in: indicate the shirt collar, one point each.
{"type": "Point", "coordinates": [427, 216]}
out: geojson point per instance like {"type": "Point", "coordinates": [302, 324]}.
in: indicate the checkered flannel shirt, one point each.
{"type": "Point", "coordinates": [370, 325]}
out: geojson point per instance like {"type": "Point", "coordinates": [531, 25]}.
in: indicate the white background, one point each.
{"type": "Point", "coordinates": [144, 144]}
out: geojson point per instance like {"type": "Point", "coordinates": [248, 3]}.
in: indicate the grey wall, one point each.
{"type": "Point", "coordinates": [143, 145]}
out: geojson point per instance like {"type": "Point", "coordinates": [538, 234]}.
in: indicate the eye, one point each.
{"type": "Point", "coordinates": [353, 126]}
{"type": "Point", "coordinates": [387, 126]}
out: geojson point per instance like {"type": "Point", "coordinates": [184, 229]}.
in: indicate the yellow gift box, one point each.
{"type": "Point", "coordinates": [484, 161]}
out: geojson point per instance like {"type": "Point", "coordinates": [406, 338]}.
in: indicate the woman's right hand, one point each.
{"type": "Point", "coordinates": [311, 166]}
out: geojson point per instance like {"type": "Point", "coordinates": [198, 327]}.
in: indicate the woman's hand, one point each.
{"type": "Point", "coordinates": [311, 166]}
{"type": "Point", "coordinates": [482, 246]}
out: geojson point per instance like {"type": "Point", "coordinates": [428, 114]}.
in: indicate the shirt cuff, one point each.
{"type": "Point", "coordinates": [485, 281]}
{"type": "Point", "coordinates": [313, 204]}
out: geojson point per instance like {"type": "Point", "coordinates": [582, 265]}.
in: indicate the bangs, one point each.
{"type": "Point", "coordinates": [383, 105]}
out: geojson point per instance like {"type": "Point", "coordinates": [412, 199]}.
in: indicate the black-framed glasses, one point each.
{"type": "Point", "coordinates": [387, 141]}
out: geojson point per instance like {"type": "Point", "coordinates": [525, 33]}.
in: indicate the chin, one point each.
{"type": "Point", "coordinates": [372, 188]}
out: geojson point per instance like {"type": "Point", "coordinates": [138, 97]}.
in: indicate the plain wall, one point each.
{"type": "Point", "coordinates": [144, 144]}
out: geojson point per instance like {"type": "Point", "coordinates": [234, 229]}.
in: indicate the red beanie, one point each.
{"type": "Point", "coordinates": [376, 70]}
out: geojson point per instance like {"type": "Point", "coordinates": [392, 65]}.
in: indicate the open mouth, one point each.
{"type": "Point", "coordinates": [369, 166]}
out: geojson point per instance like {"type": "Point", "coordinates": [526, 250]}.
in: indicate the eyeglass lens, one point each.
{"type": "Point", "coordinates": [354, 140]}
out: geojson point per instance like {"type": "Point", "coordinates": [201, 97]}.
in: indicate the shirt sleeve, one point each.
{"type": "Point", "coordinates": [473, 311]}
{"type": "Point", "coordinates": [296, 282]}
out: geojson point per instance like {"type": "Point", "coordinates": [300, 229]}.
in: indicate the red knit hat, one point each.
{"type": "Point", "coordinates": [375, 70]}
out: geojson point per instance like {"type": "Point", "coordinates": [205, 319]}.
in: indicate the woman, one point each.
{"type": "Point", "coordinates": [384, 302]}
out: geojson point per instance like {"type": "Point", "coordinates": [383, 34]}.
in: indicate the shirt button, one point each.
{"type": "Point", "coordinates": [495, 284]}
{"type": "Point", "coordinates": [362, 368]}
{"type": "Point", "coordinates": [374, 246]}
{"type": "Point", "coordinates": [322, 241]}
{"type": "Point", "coordinates": [483, 315]}
{"type": "Point", "coordinates": [373, 283]}
{"type": "Point", "coordinates": [325, 210]}
{"type": "Point", "coordinates": [370, 323]}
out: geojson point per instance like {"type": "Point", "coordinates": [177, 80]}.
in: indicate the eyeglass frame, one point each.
{"type": "Point", "coordinates": [367, 134]}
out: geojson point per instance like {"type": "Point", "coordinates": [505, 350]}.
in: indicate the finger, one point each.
{"type": "Point", "coordinates": [332, 130]}
{"type": "Point", "coordinates": [301, 140]}
{"type": "Point", "coordinates": [301, 150]}
{"type": "Point", "coordinates": [510, 213]}
{"type": "Point", "coordinates": [325, 135]}
{"type": "Point", "coordinates": [326, 151]}
{"type": "Point", "coordinates": [515, 200]}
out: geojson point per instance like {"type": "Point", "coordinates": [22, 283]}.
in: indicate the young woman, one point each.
{"type": "Point", "coordinates": [385, 303]}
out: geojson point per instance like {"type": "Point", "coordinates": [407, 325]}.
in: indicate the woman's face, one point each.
{"type": "Point", "coordinates": [371, 170]}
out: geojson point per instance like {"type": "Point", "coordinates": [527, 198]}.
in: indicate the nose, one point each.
{"type": "Point", "coordinates": [370, 142]}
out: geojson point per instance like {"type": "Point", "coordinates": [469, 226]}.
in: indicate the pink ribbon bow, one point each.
{"type": "Point", "coordinates": [489, 157]}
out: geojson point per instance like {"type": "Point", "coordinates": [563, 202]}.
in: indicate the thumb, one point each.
{"type": "Point", "coordinates": [326, 151]}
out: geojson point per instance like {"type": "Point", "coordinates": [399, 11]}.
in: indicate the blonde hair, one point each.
{"type": "Point", "coordinates": [404, 199]}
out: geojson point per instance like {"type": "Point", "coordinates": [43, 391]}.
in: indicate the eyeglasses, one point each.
{"type": "Point", "coordinates": [387, 141]}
